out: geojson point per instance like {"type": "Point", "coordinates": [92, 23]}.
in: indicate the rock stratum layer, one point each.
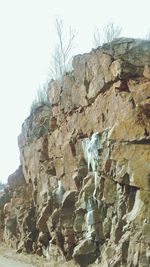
{"type": "Point", "coordinates": [83, 187]}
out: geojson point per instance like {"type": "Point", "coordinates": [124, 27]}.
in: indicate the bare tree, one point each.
{"type": "Point", "coordinates": [112, 31]}
{"type": "Point", "coordinates": [105, 35]}
{"type": "Point", "coordinates": [97, 37]}
{"type": "Point", "coordinates": [61, 59]}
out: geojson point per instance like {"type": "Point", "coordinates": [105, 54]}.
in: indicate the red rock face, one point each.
{"type": "Point", "coordinates": [108, 93]}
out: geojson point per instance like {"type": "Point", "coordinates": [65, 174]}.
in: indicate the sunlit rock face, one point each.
{"type": "Point", "coordinates": [83, 189]}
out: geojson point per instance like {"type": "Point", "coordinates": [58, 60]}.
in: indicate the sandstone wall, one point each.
{"type": "Point", "coordinates": [90, 215]}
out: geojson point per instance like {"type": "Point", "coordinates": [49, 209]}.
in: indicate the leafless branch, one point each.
{"type": "Point", "coordinates": [105, 35]}
{"type": "Point", "coordinates": [60, 61]}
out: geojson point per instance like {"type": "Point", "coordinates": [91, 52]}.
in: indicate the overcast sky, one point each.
{"type": "Point", "coordinates": [27, 37]}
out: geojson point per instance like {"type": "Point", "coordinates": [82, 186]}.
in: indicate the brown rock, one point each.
{"type": "Point", "coordinates": [54, 90]}
{"type": "Point", "coordinates": [104, 212]}
{"type": "Point", "coordinates": [17, 178]}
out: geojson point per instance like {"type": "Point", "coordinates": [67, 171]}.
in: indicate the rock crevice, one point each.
{"type": "Point", "coordinates": [82, 191]}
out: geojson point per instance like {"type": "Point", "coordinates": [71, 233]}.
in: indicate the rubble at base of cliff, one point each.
{"type": "Point", "coordinates": [82, 191]}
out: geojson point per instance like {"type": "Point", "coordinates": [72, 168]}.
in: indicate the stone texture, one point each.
{"type": "Point", "coordinates": [54, 202]}
{"type": "Point", "coordinates": [54, 90]}
{"type": "Point", "coordinates": [17, 178]}
{"type": "Point", "coordinates": [85, 253]}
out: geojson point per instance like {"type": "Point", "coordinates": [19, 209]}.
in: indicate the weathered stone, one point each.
{"type": "Point", "coordinates": [136, 52]}
{"type": "Point", "coordinates": [96, 86]}
{"type": "Point", "coordinates": [16, 179]}
{"type": "Point", "coordinates": [66, 99]}
{"type": "Point", "coordinates": [45, 213]}
{"type": "Point", "coordinates": [94, 208]}
{"type": "Point", "coordinates": [85, 253]}
{"type": "Point", "coordinates": [54, 90]}
{"type": "Point", "coordinates": [81, 72]}
{"type": "Point", "coordinates": [44, 238]}
{"type": "Point", "coordinates": [109, 193]}
{"type": "Point", "coordinates": [79, 222]}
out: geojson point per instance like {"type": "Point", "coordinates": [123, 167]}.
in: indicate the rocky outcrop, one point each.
{"type": "Point", "coordinates": [83, 189]}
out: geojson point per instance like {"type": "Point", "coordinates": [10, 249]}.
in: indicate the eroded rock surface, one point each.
{"type": "Point", "coordinates": [80, 198]}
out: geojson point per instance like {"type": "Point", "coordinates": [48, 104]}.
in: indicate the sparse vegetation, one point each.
{"type": "Point", "coordinates": [105, 35]}
{"type": "Point", "coordinates": [60, 61]}
{"type": "Point", "coordinates": [63, 52]}
{"type": "Point", "coordinates": [41, 98]}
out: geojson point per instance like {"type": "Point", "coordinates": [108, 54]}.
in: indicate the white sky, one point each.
{"type": "Point", "coordinates": [26, 41]}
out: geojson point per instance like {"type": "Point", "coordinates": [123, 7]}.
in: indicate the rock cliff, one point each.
{"type": "Point", "coordinates": [83, 188]}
